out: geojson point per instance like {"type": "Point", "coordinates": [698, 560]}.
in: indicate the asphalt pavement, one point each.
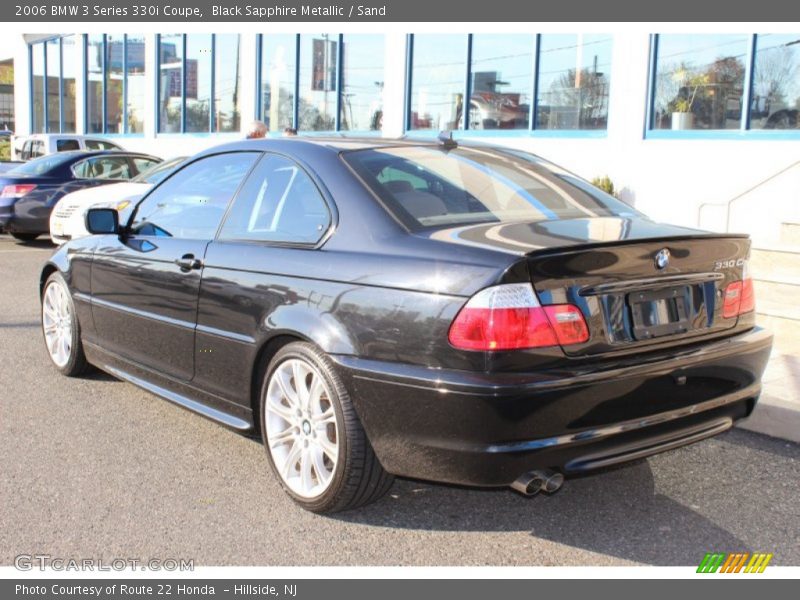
{"type": "Point", "coordinates": [97, 468]}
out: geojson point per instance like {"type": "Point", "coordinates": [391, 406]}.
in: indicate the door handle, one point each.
{"type": "Point", "coordinates": [188, 262]}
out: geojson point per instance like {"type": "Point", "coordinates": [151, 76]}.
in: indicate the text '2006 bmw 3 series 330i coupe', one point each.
{"type": "Point", "coordinates": [377, 308]}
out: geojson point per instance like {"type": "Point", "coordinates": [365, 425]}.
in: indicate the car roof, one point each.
{"type": "Point", "coordinates": [90, 153]}
{"type": "Point", "coordinates": [334, 143]}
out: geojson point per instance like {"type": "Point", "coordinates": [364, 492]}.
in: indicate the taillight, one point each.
{"type": "Point", "coordinates": [739, 298]}
{"type": "Point", "coordinates": [748, 303]}
{"type": "Point", "coordinates": [509, 317]}
{"type": "Point", "coordinates": [17, 190]}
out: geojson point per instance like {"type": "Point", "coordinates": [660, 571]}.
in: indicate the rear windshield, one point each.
{"type": "Point", "coordinates": [432, 187]}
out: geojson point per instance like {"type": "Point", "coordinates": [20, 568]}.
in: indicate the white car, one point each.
{"type": "Point", "coordinates": [67, 221]}
{"type": "Point", "coordinates": [27, 147]}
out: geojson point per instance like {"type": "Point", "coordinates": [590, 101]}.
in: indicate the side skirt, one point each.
{"type": "Point", "coordinates": [208, 405]}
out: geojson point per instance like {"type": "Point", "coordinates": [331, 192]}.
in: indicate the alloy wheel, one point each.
{"type": "Point", "coordinates": [57, 323]}
{"type": "Point", "coordinates": [301, 428]}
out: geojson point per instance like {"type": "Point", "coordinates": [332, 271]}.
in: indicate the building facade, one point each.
{"type": "Point", "coordinates": [702, 130]}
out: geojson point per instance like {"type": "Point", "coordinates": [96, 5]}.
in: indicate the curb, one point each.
{"type": "Point", "coordinates": [774, 417]}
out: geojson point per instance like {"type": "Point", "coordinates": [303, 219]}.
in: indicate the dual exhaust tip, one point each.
{"type": "Point", "coordinates": [533, 482]}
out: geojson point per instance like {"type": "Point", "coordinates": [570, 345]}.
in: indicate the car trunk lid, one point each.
{"type": "Point", "coordinates": [639, 293]}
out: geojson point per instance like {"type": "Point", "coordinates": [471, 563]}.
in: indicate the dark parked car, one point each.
{"type": "Point", "coordinates": [465, 314]}
{"type": "Point", "coordinates": [29, 192]}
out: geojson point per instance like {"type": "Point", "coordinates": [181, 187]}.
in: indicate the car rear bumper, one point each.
{"type": "Point", "coordinates": [489, 428]}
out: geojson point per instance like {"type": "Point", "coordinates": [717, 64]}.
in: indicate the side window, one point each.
{"type": "Point", "coordinates": [37, 149]}
{"type": "Point", "coordinates": [26, 150]}
{"type": "Point", "coordinates": [190, 204]}
{"type": "Point", "coordinates": [278, 203]}
{"type": "Point", "coordinates": [64, 145]}
{"type": "Point", "coordinates": [100, 145]}
{"type": "Point", "coordinates": [103, 167]}
{"type": "Point", "coordinates": [143, 164]}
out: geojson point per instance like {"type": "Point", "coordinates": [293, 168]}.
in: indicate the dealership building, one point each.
{"type": "Point", "coordinates": [698, 129]}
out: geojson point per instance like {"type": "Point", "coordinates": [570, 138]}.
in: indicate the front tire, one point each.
{"type": "Point", "coordinates": [314, 440]}
{"type": "Point", "coordinates": [61, 329]}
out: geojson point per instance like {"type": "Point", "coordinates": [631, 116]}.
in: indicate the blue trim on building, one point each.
{"type": "Point", "coordinates": [31, 111]}
{"type": "Point", "coordinates": [259, 76]}
{"type": "Point", "coordinates": [724, 134]}
{"type": "Point", "coordinates": [296, 99]}
{"type": "Point", "coordinates": [409, 81]}
{"type": "Point", "coordinates": [534, 103]}
{"type": "Point", "coordinates": [465, 103]}
{"type": "Point", "coordinates": [45, 99]}
{"type": "Point", "coordinates": [125, 83]}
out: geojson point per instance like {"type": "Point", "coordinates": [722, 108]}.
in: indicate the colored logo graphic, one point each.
{"type": "Point", "coordinates": [735, 562]}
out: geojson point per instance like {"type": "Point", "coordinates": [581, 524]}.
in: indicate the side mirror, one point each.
{"type": "Point", "coordinates": [102, 220]}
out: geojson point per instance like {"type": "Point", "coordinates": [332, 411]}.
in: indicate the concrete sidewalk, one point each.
{"type": "Point", "coordinates": [778, 411]}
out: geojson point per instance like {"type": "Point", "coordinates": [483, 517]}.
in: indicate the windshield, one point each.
{"type": "Point", "coordinates": [430, 187]}
{"type": "Point", "coordinates": [43, 165]}
{"type": "Point", "coordinates": [159, 172]}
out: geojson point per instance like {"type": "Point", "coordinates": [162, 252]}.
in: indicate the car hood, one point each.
{"type": "Point", "coordinates": [525, 237]}
{"type": "Point", "coordinates": [103, 194]}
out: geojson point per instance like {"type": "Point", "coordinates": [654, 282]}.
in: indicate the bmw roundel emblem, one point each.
{"type": "Point", "coordinates": [662, 259]}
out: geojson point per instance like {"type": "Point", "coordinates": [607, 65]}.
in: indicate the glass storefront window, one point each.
{"type": "Point", "coordinates": [135, 80]}
{"type": "Point", "coordinates": [574, 79]}
{"type": "Point", "coordinates": [362, 82]}
{"type": "Point", "coordinates": [500, 81]}
{"type": "Point", "coordinates": [37, 72]}
{"type": "Point", "coordinates": [775, 101]}
{"type": "Point", "coordinates": [170, 78]}
{"type": "Point", "coordinates": [53, 85]}
{"type": "Point", "coordinates": [228, 82]}
{"type": "Point", "coordinates": [69, 79]}
{"type": "Point", "coordinates": [699, 81]}
{"type": "Point", "coordinates": [318, 82]}
{"type": "Point", "coordinates": [115, 75]}
{"type": "Point", "coordinates": [94, 84]}
{"type": "Point", "coordinates": [278, 58]}
{"type": "Point", "coordinates": [438, 77]}
{"type": "Point", "coordinates": [198, 82]}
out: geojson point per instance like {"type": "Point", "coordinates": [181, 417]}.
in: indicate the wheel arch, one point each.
{"type": "Point", "coordinates": [266, 351]}
{"type": "Point", "coordinates": [47, 271]}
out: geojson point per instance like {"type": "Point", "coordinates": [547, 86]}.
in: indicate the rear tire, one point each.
{"type": "Point", "coordinates": [61, 329]}
{"type": "Point", "coordinates": [314, 440]}
{"type": "Point", "coordinates": [25, 237]}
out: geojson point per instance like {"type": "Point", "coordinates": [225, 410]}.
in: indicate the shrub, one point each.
{"type": "Point", "coordinates": [605, 184]}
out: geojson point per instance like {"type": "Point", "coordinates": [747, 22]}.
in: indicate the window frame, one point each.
{"type": "Point", "coordinates": [212, 121]}
{"type": "Point", "coordinates": [466, 131]}
{"type": "Point", "coordinates": [324, 194]}
{"type": "Point", "coordinates": [259, 107]}
{"type": "Point", "coordinates": [743, 132]}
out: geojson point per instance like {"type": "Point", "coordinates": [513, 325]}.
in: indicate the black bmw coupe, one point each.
{"type": "Point", "coordinates": [451, 312]}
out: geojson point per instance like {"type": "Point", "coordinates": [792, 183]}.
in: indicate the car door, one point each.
{"type": "Point", "coordinates": [145, 283]}
{"type": "Point", "coordinates": [254, 268]}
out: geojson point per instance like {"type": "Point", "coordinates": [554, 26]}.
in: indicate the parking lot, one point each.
{"type": "Point", "coordinates": [97, 468]}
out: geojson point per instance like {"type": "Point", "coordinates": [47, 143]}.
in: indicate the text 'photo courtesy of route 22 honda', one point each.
{"type": "Point", "coordinates": [456, 313]}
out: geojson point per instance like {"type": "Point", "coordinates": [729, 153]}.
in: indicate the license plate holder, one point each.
{"type": "Point", "coordinates": [656, 313]}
